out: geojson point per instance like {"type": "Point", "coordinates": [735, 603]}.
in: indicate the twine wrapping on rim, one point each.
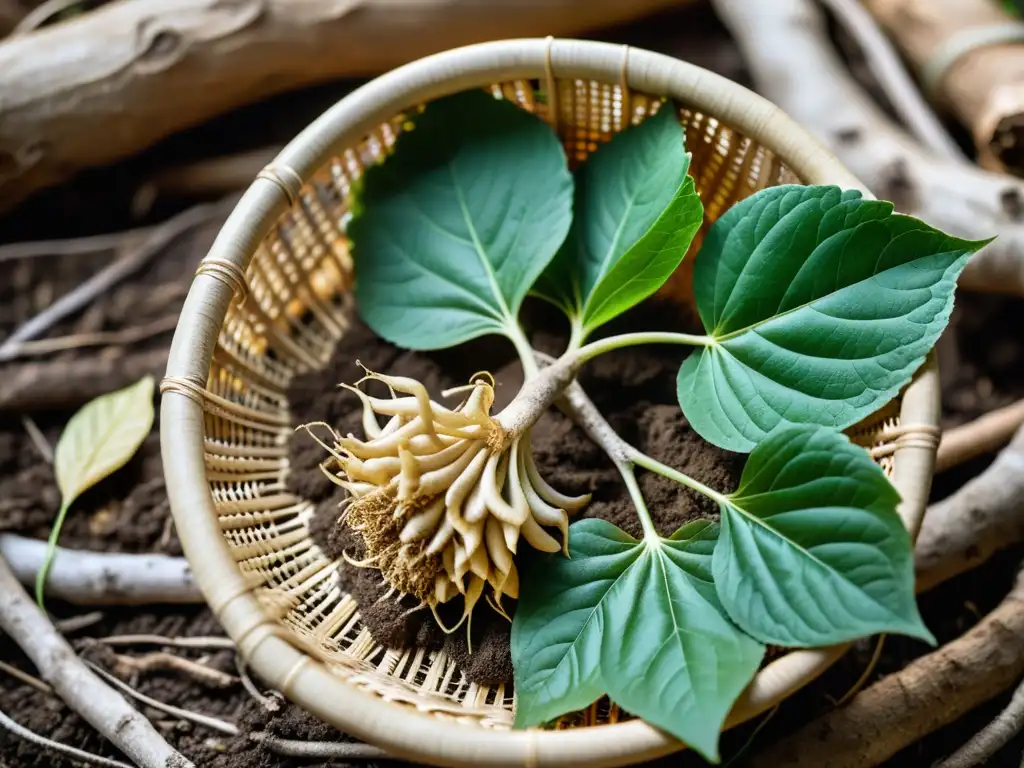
{"type": "Point", "coordinates": [550, 86]}
{"type": "Point", "coordinates": [228, 273]}
{"type": "Point", "coordinates": [184, 386]}
{"type": "Point", "coordinates": [285, 178]}
{"type": "Point", "coordinates": [962, 43]}
{"type": "Point", "coordinates": [908, 436]}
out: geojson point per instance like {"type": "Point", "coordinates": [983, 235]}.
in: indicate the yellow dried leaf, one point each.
{"type": "Point", "coordinates": [101, 437]}
{"type": "Point", "coordinates": [98, 440]}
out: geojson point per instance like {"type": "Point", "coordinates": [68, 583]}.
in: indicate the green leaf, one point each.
{"type": "Point", "coordinates": [820, 305]}
{"type": "Point", "coordinates": [812, 551]}
{"type": "Point", "coordinates": [454, 227]}
{"type": "Point", "coordinates": [639, 621]}
{"type": "Point", "coordinates": [558, 625]}
{"type": "Point", "coordinates": [98, 440]}
{"type": "Point", "coordinates": [636, 213]}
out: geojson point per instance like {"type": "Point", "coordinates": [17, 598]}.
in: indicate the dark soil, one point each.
{"type": "Point", "coordinates": [128, 512]}
{"type": "Point", "coordinates": [635, 389]}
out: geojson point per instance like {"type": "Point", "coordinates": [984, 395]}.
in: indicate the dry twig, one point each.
{"type": "Point", "coordinates": [56, 746]}
{"type": "Point", "coordinates": [976, 438]}
{"type": "Point", "coordinates": [319, 750]}
{"type": "Point", "coordinates": [78, 623]}
{"type": "Point", "coordinates": [41, 14]}
{"type": "Point", "coordinates": [787, 48]}
{"type": "Point", "coordinates": [38, 439]}
{"type": "Point", "coordinates": [25, 677]}
{"type": "Point", "coordinates": [930, 692]}
{"type": "Point", "coordinates": [80, 689]}
{"type": "Point", "coordinates": [63, 384]}
{"type": "Point", "coordinates": [981, 518]}
{"type": "Point", "coordinates": [992, 738]}
{"type": "Point", "coordinates": [88, 578]}
{"type": "Point", "coordinates": [130, 335]}
{"type": "Point", "coordinates": [213, 723]}
{"type": "Point", "coordinates": [269, 703]}
{"type": "Point", "coordinates": [203, 643]}
{"type": "Point", "coordinates": [159, 238]}
{"type": "Point", "coordinates": [214, 678]}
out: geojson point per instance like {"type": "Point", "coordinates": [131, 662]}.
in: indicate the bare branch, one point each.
{"type": "Point", "coordinates": [160, 237]}
{"type": "Point", "coordinates": [981, 518]}
{"type": "Point", "coordinates": [130, 335]}
{"type": "Point", "coordinates": [90, 578]}
{"type": "Point", "coordinates": [976, 438]}
{"type": "Point", "coordinates": [319, 750]}
{"type": "Point", "coordinates": [194, 717]}
{"type": "Point", "coordinates": [216, 643]}
{"type": "Point", "coordinates": [80, 689]}
{"type": "Point", "coordinates": [992, 738]}
{"type": "Point", "coordinates": [56, 746]}
{"type": "Point", "coordinates": [128, 665]}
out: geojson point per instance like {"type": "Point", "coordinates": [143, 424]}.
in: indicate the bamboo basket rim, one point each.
{"type": "Point", "coordinates": [276, 655]}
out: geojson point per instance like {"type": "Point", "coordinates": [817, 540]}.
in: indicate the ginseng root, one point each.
{"type": "Point", "coordinates": [442, 497]}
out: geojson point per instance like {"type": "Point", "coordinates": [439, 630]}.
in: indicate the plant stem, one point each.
{"type": "Point", "coordinates": [645, 461]}
{"type": "Point", "coordinates": [599, 347]}
{"type": "Point", "coordinates": [629, 477]}
{"type": "Point", "coordinates": [575, 334]}
{"type": "Point", "coordinates": [526, 353]}
{"type": "Point", "coordinates": [51, 551]}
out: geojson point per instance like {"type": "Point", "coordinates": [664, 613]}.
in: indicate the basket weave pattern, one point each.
{"type": "Point", "coordinates": [288, 320]}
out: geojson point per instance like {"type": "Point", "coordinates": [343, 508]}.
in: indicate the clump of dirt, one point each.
{"type": "Point", "coordinates": [634, 388]}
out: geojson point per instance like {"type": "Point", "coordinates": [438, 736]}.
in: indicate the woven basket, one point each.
{"type": "Point", "coordinates": [267, 303]}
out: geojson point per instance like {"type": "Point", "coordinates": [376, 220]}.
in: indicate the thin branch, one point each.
{"type": "Point", "coordinates": [160, 237]}
{"type": "Point", "coordinates": [74, 246]}
{"type": "Point", "coordinates": [56, 746]}
{"type": "Point", "coordinates": [78, 623]}
{"type": "Point", "coordinates": [992, 737]}
{"type": "Point", "coordinates": [203, 643]}
{"type": "Point", "coordinates": [131, 335]}
{"type": "Point", "coordinates": [213, 723]}
{"type": "Point", "coordinates": [162, 660]}
{"type": "Point", "coordinates": [899, 86]}
{"type": "Point", "coordinates": [976, 438]}
{"type": "Point", "coordinates": [984, 516]}
{"type": "Point", "coordinates": [319, 750]}
{"type": "Point", "coordinates": [90, 578]}
{"type": "Point", "coordinates": [72, 680]}
{"type": "Point", "coordinates": [25, 677]}
{"type": "Point", "coordinates": [38, 438]}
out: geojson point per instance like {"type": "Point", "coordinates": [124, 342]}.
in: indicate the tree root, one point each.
{"type": "Point", "coordinates": [979, 437]}
{"type": "Point", "coordinates": [929, 693]}
{"type": "Point", "coordinates": [786, 45]}
{"type": "Point", "coordinates": [72, 680]}
{"type": "Point", "coordinates": [162, 660]}
{"type": "Point", "coordinates": [92, 578]}
{"type": "Point", "coordinates": [992, 738]}
{"type": "Point", "coordinates": [319, 750]}
{"type": "Point", "coordinates": [986, 515]}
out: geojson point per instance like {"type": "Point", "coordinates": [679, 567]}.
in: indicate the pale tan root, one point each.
{"type": "Point", "coordinates": [905, 706]}
{"type": "Point", "coordinates": [80, 688]}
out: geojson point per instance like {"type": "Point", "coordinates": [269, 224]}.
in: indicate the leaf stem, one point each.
{"type": "Point", "coordinates": [576, 336]}
{"type": "Point", "coordinates": [629, 478]}
{"type": "Point", "coordinates": [527, 355]}
{"type": "Point", "coordinates": [599, 347]}
{"type": "Point", "coordinates": [645, 461]}
{"type": "Point", "coordinates": [51, 551]}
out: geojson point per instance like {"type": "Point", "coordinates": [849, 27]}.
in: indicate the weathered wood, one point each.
{"type": "Point", "coordinates": [110, 83]}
